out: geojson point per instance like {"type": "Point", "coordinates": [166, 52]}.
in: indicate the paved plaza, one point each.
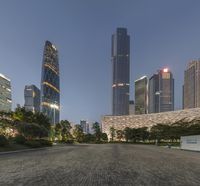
{"type": "Point", "coordinates": [103, 164]}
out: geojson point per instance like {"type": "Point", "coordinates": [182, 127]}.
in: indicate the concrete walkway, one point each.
{"type": "Point", "coordinates": [101, 164]}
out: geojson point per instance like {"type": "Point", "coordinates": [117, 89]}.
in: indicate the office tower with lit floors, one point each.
{"type": "Point", "coordinates": [161, 92]}
{"type": "Point", "coordinates": [5, 94]}
{"type": "Point", "coordinates": [32, 98]}
{"type": "Point", "coordinates": [50, 83]}
{"type": "Point", "coordinates": [121, 72]}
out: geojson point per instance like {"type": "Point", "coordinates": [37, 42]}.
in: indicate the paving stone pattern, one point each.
{"type": "Point", "coordinates": [103, 164]}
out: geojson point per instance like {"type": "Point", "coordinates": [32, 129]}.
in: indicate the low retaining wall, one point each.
{"type": "Point", "coordinates": [147, 120]}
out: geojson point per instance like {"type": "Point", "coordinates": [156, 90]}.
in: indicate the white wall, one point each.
{"type": "Point", "coordinates": [190, 143]}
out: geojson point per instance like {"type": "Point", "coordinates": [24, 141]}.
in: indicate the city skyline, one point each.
{"type": "Point", "coordinates": [168, 40]}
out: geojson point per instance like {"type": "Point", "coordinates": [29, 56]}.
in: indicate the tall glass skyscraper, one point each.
{"type": "Point", "coordinates": [32, 98]}
{"type": "Point", "coordinates": [121, 72]}
{"type": "Point", "coordinates": [5, 94]}
{"type": "Point", "coordinates": [161, 92]}
{"type": "Point", "coordinates": [141, 95]}
{"type": "Point", "coordinates": [50, 83]}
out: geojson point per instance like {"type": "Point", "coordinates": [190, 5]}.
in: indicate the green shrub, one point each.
{"type": "Point", "coordinates": [3, 141]}
{"type": "Point", "coordinates": [44, 142]}
{"type": "Point", "coordinates": [33, 144]}
{"type": "Point", "coordinates": [69, 141]}
{"type": "Point", "coordinates": [19, 139]}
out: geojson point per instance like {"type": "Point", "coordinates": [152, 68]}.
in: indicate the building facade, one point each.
{"type": "Point", "coordinates": [148, 120]}
{"type": "Point", "coordinates": [191, 88]}
{"type": "Point", "coordinates": [50, 83]}
{"type": "Point", "coordinates": [141, 95]}
{"type": "Point", "coordinates": [121, 72]}
{"type": "Point", "coordinates": [131, 107]}
{"type": "Point", "coordinates": [32, 98]}
{"type": "Point", "coordinates": [85, 126]}
{"type": "Point", "coordinates": [5, 94]}
{"type": "Point", "coordinates": [161, 92]}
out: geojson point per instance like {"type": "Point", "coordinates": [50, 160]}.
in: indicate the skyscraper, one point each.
{"type": "Point", "coordinates": [141, 95]}
{"type": "Point", "coordinates": [85, 126]}
{"type": "Point", "coordinates": [32, 98]}
{"type": "Point", "coordinates": [161, 92]}
{"type": "Point", "coordinates": [5, 94]}
{"type": "Point", "coordinates": [191, 88]}
{"type": "Point", "coordinates": [50, 83]}
{"type": "Point", "coordinates": [153, 94]}
{"type": "Point", "coordinates": [121, 72]}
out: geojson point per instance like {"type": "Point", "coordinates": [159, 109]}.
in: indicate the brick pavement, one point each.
{"type": "Point", "coordinates": [103, 164]}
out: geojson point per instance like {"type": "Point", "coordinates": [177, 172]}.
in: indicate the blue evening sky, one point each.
{"type": "Point", "coordinates": [164, 33]}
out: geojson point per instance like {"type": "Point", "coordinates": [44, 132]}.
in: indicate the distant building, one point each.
{"type": "Point", "coordinates": [121, 72]}
{"type": "Point", "coordinates": [141, 95]}
{"type": "Point", "coordinates": [131, 107]}
{"type": "Point", "coordinates": [153, 106]}
{"type": "Point", "coordinates": [85, 126]}
{"type": "Point", "coordinates": [191, 88]}
{"type": "Point", "coordinates": [50, 84]}
{"type": "Point", "coordinates": [5, 94]}
{"type": "Point", "coordinates": [32, 98]}
{"type": "Point", "coordinates": [161, 92]}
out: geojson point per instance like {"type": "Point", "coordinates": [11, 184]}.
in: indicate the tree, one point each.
{"type": "Point", "coordinates": [65, 132]}
{"type": "Point", "coordinates": [21, 114]}
{"type": "Point", "coordinates": [58, 131]}
{"type": "Point", "coordinates": [142, 134]}
{"type": "Point", "coordinates": [104, 137]}
{"type": "Point", "coordinates": [31, 130]}
{"type": "Point", "coordinates": [42, 120]}
{"type": "Point", "coordinates": [97, 131]}
{"type": "Point", "coordinates": [78, 133]}
{"type": "Point", "coordinates": [89, 138]}
{"type": "Point", "coordinates": [120, 134]}
{"type": "Point", "coordinates": [127, 134]}
{"type": "Point", "coordinates": [112, 133]}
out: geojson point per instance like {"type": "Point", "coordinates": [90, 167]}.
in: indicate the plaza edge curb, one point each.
{"type": "Point", "coordinates": [25, 150]}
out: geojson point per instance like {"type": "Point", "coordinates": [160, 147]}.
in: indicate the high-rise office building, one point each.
{"type": "Point", "coordinates": [50, 83]}
{"type": "Point", "coordinates": [85, 126]}
{"type": "Point", "coordinates": [141, 95]}
{"type": "Point", "coordinates": [161, 92]}
{"type": "Point", "coordinates": [153, 90]}
{"type": "Point", "coordinates": [32, 98]}
{"type": "Point", "coordinates": [5, 94]}
{"type": "Point", "coordinates": [191, 88]}
{"type": "Point", "coordinates": [121, 72]}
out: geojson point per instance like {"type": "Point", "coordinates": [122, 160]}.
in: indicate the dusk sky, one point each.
{"type": "Point", "coordinates": [164, 33]}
